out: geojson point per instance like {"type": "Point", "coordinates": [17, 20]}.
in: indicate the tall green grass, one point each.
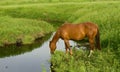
{"type": "Point", "coordinates": [107, 18]}
{"type": "Point", "coordinates": [12, 29]}
{"type": "Point", "coordinates": [106, 15]}
{"type": "Point", "coordinates": [100, 61]}
{"type": "Point", "coordinates": [9, 2]}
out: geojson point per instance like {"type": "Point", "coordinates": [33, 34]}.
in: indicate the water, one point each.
{"type": "Point", "coordinates": [28, 58]}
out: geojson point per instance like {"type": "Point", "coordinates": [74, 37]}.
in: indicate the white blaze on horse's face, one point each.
{"type": "Point", "coordinates": [52, 47]}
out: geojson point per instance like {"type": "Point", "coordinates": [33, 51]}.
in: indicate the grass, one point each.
{"type": "Point", "coordinates": [9, 2]}
{"type": "Point", "coordinates": [30, 20]}
{"type": "Point", "coordinates": [104, 61]}
{"type": "Point", "coordinates": [27, 30]}
{"type": "Point", "coordinates": [107, 17]}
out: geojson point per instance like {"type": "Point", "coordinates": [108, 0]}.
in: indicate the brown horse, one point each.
{"type": "Point", "coordinates": [70, 31]}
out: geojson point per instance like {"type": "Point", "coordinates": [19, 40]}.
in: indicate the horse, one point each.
{"type": "Point", "coordinates": [69, 31]}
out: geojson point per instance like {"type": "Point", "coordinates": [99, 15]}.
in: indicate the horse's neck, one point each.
{"type": "Point", "coordinates": [55, 38]}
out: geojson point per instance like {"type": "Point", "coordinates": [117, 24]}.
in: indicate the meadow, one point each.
{"type": "Point", "coordinates": [30, 20]}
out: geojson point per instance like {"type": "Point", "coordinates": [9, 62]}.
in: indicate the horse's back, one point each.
{"type": "Point", "coordinates": [71, 31]}
{"type": "Point", "coordinates": [87, 26]}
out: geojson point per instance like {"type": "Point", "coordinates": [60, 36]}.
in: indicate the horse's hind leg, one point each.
{"type": "Point", "coordinates": [67, 46]}
{"type": "Point", "coordinates": [91, 41]}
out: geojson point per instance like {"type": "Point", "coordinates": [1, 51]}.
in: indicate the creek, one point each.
{"type": "Point", "coordinates": [29, 58]}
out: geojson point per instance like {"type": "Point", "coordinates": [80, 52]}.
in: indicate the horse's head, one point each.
{"type": "Point", "coordinates": [52, 47]}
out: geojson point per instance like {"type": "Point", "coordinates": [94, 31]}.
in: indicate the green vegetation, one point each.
{"type": "Point", "coordinates": [8, 2]}
{"type": "Point", "coordinates": [101, 61]}
{"type": "Point", "coordinates": [28, 20]}
{"type": "Point", "coordinates": [106, 15]}
{"type": "Point", "coordinates": [13, 29]}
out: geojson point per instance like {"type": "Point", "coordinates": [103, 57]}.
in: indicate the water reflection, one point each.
{"type": "Point", "coordinates": [14, 50]}
{"type": "Point", "coordinates": [27, 58]}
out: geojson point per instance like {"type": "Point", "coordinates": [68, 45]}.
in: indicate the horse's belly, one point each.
{"type": "Point", "coordinates": [77, 37]}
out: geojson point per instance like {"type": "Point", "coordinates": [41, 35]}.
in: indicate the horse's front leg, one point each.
{"type": "Point", "coordinates": [67, 46]}
{"type": "Point", "coordinates": [91, 41]}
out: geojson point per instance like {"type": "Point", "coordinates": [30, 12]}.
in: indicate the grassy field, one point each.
{"type": "Point", "coordinates": [9, 2]}
{"type": "Point", "coordinates": [104, 61]}
{"type": "Point", "coordinates": [28, 20]}
{"type": "Point", "coordinates": [106, 15]}
{"type": "Point", "coordinates": [27, 30]}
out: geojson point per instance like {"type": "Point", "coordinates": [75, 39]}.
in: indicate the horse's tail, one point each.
{"type": "Point", "coordinates": [98, 40]}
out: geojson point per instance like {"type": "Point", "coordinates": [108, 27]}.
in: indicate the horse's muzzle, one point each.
{"type": "Point", "coordinates": [52, 52]}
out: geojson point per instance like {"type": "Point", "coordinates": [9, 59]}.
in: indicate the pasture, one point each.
{"type": "Point", "coordinates": [30, 20]}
